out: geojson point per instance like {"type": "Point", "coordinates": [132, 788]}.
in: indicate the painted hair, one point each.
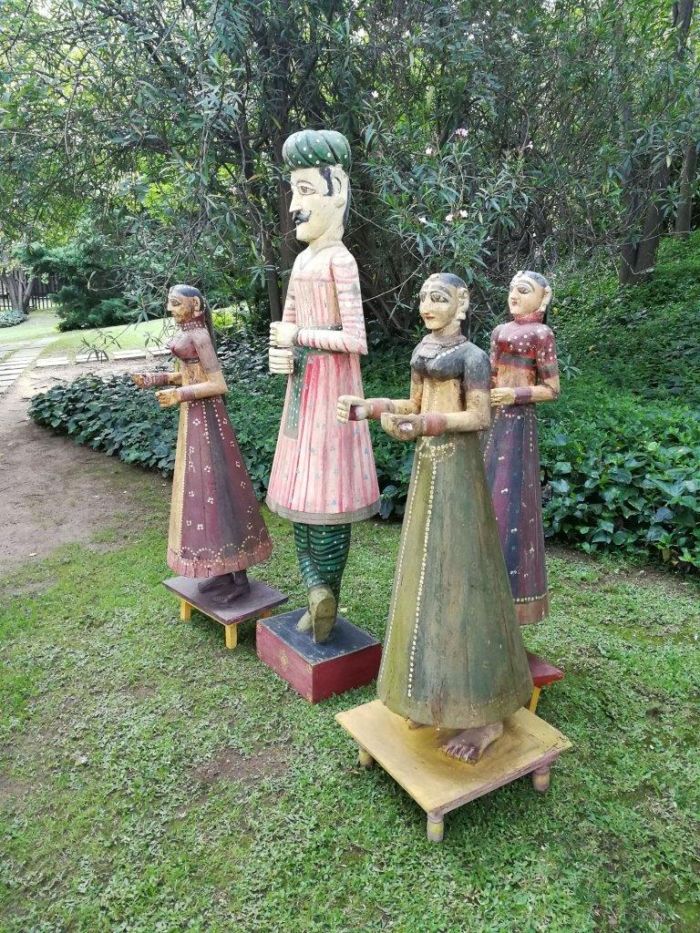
{"type": "Point", "coordinates": [538, 280]}
{"type": "Point", "coordinates": [449, 279]}
{"type": "Point", "coordinates": [189, 291]}
{"type": "Point", "coordinates": [321, 149]}
{"type": "Point", "coordinates": [535, 277]}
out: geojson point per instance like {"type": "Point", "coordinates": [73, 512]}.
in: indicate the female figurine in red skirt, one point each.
{"type": "Point", "coordinates": [216, 530]}
{"type": "Point", "coordinates": [524, 372]}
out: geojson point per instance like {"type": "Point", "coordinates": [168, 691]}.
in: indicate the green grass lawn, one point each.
{"type": "Point", "coordinates": [151, 780]}
{"type": "Point", "coordinates": [42, 323]}
{"type": "Point", "coordinates": [120, 337]}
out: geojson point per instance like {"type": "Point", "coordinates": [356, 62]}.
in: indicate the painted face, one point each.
{"type": "Point", "coordinates": [440, 303]}
{"type": "Point", "coordinates": [314, 210]}
{"type": "Point", "coordinates": [525, 296]}
{"type": "Point", "coordinates": [182, 308]}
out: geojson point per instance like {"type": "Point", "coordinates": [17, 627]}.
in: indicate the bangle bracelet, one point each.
{"type": "Point", "coordinates": [434, 423]}
{"type": "Point", "coordinates": [377, 406]}
{"type": "Point", "coordinates": [523, 395]}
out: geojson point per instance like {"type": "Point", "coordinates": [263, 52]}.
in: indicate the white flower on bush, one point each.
{"type": "Point", "coordinates": [375, 94]}
{"type": "Point", "coordinates": [429, 150]}
{"type": "Point", "coordinates": [461, 132]}
{"type": "Point", "coordinates": [463, 213]}
{"type": "Point", "coordinates": [449, 218]}
{"type": "Point", "coordinates": [423, 219]}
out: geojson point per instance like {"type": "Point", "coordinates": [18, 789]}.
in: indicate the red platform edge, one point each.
{"type": "Point", "coordinates": [542, 672]}
{"type": "Point", "coordinates": [315, 682]}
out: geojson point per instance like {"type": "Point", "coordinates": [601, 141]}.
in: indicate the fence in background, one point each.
{"type": "Point", "coordinates": [40, 295]}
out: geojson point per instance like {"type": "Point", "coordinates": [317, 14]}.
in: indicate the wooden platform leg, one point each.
{"type": "Point", "coordinates": [541, 779]}
{"type": "Point", "coordinates": [534, 699]}
{"type": "Point", "coordinates": [364, 759]}
{"type": "Point", "coordinates": [185, 611]}
{"type": "Point", "coordinates": [436, 828]}
{"type": "Point", "coordinates": [266, 614]}
{"type": "Point", "coordinates": [231, 635]}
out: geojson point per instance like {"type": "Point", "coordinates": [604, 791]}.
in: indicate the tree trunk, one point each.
{"type": "Point", "coordinates": [638, 259]}
{"type": "Point", "coordinates": [685, 201]}
{"type": "Point", "coordinates": [20, 288]}
{"type": "Point", "coordinates": [653, 225]}
{"type": "Point", "coordinates": [273, 283]}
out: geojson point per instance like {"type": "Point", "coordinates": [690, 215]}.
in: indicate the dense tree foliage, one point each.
{"type": "Point", "coordinates": [487, 134]}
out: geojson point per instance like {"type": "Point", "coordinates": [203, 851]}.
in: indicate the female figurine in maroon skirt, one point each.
{"type": "Point", "coordinates": [524, 372]}
{"type": "Point", "coordinates": [216, 530]}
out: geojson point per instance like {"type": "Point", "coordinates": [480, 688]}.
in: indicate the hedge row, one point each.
{"type": "Point", "coordinates": [11, 318]}
{"type": "Point", "coordinates": [618, 473]}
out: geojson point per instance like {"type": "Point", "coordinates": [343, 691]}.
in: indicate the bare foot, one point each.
{"type": "Point", "coordinates": [471, 744]}
{"type": "Point", "coordinates": [215, 583]}
{"type": "Point", "coordinates": [238, 588]}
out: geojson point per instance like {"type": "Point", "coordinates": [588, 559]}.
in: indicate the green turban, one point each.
{"type": "Point", "coordinates": [316, 148]}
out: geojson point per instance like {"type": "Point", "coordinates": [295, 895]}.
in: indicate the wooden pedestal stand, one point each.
{"type": "Point", "coordinates": [437, 783]}
{"type": "Point", "coordinates": [349, 659]}
{"type": "Point", "coordinates": [542, 673]}
{"type": "Point", "coordinates": [258, 604]}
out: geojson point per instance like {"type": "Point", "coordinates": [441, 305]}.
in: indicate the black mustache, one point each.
{"type": "Point", "coordinates": [300, 217]}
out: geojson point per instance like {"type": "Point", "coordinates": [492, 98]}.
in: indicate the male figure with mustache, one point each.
{"type": "Point", "coordinates": [323, 475]}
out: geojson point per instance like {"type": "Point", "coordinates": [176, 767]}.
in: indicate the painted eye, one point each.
{"type": "Point", "coordinates": [438, 297]}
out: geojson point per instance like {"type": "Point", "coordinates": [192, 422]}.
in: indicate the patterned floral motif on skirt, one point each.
{"type": "Point", "coordinates": [215, 521]}
{"type": "Point", "coordinates": [512, 463]}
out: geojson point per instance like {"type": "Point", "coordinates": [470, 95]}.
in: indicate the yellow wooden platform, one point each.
{"type": "Point", "coordinates": [438, 783]}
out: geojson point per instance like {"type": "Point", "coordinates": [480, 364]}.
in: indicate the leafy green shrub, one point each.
{"type": "Point", "coordinates": [90, 296]}
{"type": "Point", "coordinates": [622, 474]}
{"type": "Point", "coordinates": [111, 415]}
{"type": "Point", "coordinates": [618, 474]}
{"type": "Point", "coordinates": [78, 311]}
{"type": "Point", "coordinates": [642, 338]}
{"type": "Point", "coordinates": [11, 318]}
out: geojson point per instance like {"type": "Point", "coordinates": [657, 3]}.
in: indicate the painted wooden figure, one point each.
{"type": "Point", "coordinates": [524, 372]}
{"type": "Point", "coordinates": [216, 529]}
{"type": "Point", "coordinates": [323, 475]}
{"type": "Point", "coordinates": [454, 656]}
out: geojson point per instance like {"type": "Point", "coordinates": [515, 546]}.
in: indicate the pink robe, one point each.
{"type": "Point", "coordinates": [323, 472]}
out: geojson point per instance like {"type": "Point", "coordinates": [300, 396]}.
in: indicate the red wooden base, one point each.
{"type": "Point", "coordinates": [542, 672]}
{"type": "Point", "coordinates": [350, 658]}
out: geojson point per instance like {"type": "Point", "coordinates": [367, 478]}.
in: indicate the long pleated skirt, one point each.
{"type": "Point", "coordinates": [454, 655]}
{"type": "Point", "coordinates": [215, 521]}
{"type": "Point", "coordinates": [512, 461]}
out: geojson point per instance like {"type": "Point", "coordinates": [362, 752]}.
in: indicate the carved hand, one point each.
{"type": "Point", "coordinates": [282, 334]}
{"type": "Point", "coordinates": [281, 362]}
{"type": "Point", "coordinates": [345, 403]}
{"type": "Point", "coordinates": [504, 396]}
{"type": "Point", "coordinates": [142, 380]}
{"type": "Point", "coordinates": [402, 427]}
{"type": "Point", "coordinates": [167, 398]}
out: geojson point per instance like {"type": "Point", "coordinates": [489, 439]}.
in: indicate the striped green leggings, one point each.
{"type": "Point", "coordinates": [322, 551]}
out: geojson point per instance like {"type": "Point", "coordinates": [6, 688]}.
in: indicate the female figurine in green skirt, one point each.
{"type": "Point", "coordinates": [454, 656]}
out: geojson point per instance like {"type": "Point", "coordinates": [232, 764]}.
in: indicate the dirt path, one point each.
{"type": "Point", "coordinates": [52, 491]}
